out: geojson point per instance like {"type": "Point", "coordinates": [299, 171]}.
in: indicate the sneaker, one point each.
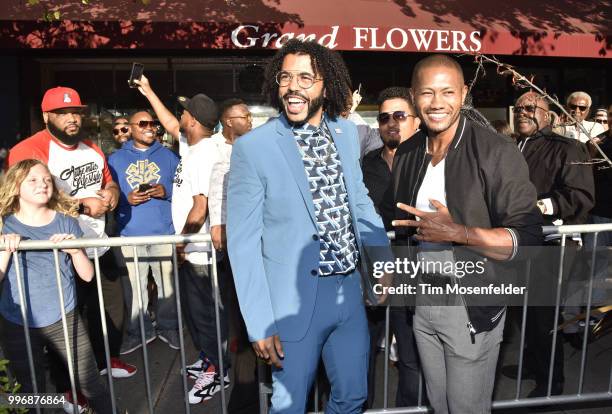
{"type": "Point", "coordinates": [207, 384]}
{"type": "Point", "coordinates": [68, 403]}
{"type": "Point", "coordinates": [120, 369]}
{"type": "Point", "coordinates": [132, 343]}
{"type": "Point", "coordinates": [171, 338]}
{"type": "Point", "coordinates": [193, 371]}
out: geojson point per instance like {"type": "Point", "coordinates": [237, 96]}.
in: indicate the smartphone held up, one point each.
{"type": "Point", "coordinates": [135, 74]}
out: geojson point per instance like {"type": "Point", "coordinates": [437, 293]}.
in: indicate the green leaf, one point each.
{"type": "Point", "coordinates": [33, 2]}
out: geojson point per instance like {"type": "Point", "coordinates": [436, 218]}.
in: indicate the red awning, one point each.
{"type": "Point", "coordinates": [524, 27]}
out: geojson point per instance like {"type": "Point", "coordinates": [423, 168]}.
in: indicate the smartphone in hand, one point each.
{"type": "Point", "coordinates": [136, 74]}
{"type": "Point", "coordinates": [144, 187]}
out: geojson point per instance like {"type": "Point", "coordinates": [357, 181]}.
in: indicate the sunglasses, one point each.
{"type": "Point", "coordinates": [581, 107]}
{"type": "Point", "coordinates": [144, 124]}
{"type": "Point", "coordinates": [398, 116]}
{"type": "Point", "coordinates": [602, 121]}
{"type": "Point", "coordinates": [526, 108]}
{"type": "Point", "coordinates": [123, 130]}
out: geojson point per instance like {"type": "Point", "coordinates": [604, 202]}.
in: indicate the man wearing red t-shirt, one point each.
{"type": "Point", "coordinates": [80, 170]}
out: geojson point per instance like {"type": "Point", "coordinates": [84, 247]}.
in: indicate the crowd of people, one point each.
{"type": "Point", "coordinates": [291, 207]}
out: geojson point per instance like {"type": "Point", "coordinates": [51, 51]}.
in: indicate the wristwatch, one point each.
{"type": "Point", "coordinates": [542, 206]}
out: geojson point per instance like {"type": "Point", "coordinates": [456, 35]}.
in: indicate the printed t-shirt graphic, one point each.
{"type": "Point", "coordinates": [79, 170]}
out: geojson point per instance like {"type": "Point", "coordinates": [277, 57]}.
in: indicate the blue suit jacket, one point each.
{"type": "Point", "coordinates": [271, 226]}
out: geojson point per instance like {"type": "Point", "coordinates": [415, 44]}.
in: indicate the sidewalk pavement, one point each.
{"type": "Point", "coordinates": [167, 386]}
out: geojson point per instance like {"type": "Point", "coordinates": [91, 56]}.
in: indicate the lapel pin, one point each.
{"type": "Point", "coordinates": [338, 131]}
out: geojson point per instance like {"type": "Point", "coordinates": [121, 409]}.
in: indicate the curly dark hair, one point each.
{"type": "Point", "coordinates": [326, 63]}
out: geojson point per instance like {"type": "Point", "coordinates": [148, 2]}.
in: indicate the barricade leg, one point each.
{"type": "Point", "coordinates": [556, 322]}
{"type": "Point", "coordinates": [145, 355]}
{"type": "Point", "coordinates": [179, 313]}
{"type": "Point", "coordinates": [216, 296]}
{"type": "Point", "coordinates": [69, 360]}
{"type": "Point", "coordinates": [98, 277]}
{"type": "Point", "coordinates": [588, 313]}
{"type": "Point", "coordinates": [26, 327]}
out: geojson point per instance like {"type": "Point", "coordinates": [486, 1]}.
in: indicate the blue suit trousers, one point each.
{"type": "Point", "coordinates": [338, 333]}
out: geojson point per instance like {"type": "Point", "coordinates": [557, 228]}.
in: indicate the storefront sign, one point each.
{"type": "Point", "coordinates": [364, 38]}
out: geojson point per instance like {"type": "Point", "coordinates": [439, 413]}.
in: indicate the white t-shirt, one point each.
{"type": "Point", "coordinates": [433, 188]}
{"type": "Point", "coordinates": [192, 178]}
{"type": "Point", "coordinates": [217, 199]}
{"type": "Point", "coordinates": [571, 131]}
{"type": "Point", "coordinates": [79, 171]}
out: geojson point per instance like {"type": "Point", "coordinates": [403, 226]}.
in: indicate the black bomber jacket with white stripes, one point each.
{"type": "Point", "coordinates": [487, 185]}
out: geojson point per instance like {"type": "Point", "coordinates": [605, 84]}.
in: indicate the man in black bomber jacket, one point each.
{"type": "Point", "coordinates": [457, 183]}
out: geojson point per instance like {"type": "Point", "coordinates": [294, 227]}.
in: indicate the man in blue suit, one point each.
{"type": "Point", "coordinates": [298, 219]}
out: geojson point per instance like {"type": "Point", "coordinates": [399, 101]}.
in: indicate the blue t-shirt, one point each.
{"type": "Point", "coordinates": [38, 273]}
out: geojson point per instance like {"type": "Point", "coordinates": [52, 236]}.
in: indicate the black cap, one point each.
{"type": "Point", "coordinates": [202, 108]}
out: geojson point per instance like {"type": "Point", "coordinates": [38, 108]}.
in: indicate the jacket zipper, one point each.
{"type": "Point", "coordinates": [471, 329]}
{"type": "Point", "coordinates": [469, 325]}
{"type": "Point", "coordinates": [521, 148]}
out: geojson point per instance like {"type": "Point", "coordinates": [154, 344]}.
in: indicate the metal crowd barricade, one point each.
{"type": "Point", "coordinates": [113, 242]}
{"type": "Point", "coordinates": [264, 388]}
{"type": "Point", "coordinates": [517, 402]}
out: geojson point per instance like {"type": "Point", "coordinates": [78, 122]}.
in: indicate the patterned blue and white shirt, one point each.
{"type": "Point", "coordinates": [339, 253]}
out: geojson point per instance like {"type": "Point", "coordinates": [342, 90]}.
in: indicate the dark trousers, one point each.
{"type": "Point", "coordinates": [245, 391]}
{"type": "Point", "coordinates": [376, 326]}
{"type": "Point", "coordinates": [540, 319]}
{"type": "Point", "coordinates": [199, 309]}
{"type": "Point", "coordinates": [87, 377]}
{"type": "Point", "coordinates": [400, 319]}
{"type": "Point", "coordinates": [400, 325]}
{"type": "Point", "coordinates": [89, 309]}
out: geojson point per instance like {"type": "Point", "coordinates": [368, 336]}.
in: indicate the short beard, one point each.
{"type": "Point", "coordinates": [391, 143]}
{"type": "Point", "coordinates": [313, 106]}
{"type": "Point", "coordinates": [64, 137]}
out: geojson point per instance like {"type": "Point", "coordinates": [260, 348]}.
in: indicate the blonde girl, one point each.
{"type": "Point", "coordinates": [32, 208]}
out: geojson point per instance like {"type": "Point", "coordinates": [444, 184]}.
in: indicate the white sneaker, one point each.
{"type": "Point", "coordinates": [68, 403]}
{"type": "Point", "coordinates": [194, 370]}
{"type": "Point", "coordinates": [120, 369]}
{"type": "Point", "coordinates": [207, 384]}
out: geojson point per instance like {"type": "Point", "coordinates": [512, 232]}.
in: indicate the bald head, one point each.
{"type": "Point", "coordinates": [534, 97]}
{"type": "Point", "coordinates": [436, 61]}
{"type": "Point", "coordinates": [140, 114]}
{"type": "Point", "coordinates": [531, 114]}
{"type": "Point", "coordinates": [438, 92]}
